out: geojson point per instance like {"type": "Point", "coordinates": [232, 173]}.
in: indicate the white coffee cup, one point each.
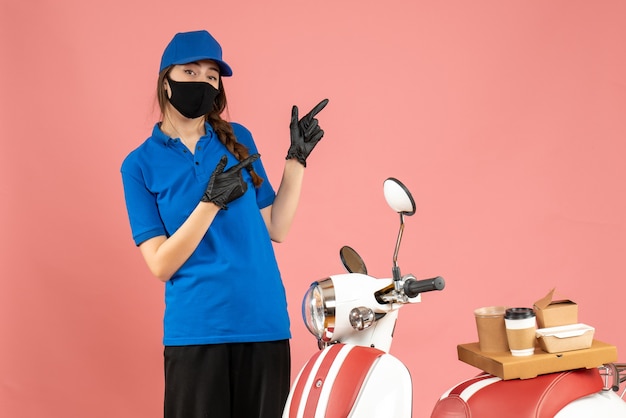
{"type": "Point", "coordinates": [520, 326]}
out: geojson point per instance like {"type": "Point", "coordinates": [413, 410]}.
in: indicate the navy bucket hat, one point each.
{"type": "Point", "coordinates": [188, 47]}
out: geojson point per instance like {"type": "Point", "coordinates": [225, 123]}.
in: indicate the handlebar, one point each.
{"type": "Point", "coordinates": [413, 287]}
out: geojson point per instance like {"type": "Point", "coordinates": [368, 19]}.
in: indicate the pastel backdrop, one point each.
{"type": "Point", "coordinates": [504, 118]}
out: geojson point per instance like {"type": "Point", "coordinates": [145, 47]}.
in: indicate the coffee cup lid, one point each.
{"type": "Point", "coordinates": [490, 311]}
{"type": "Point", "coordinates": [519, 313]}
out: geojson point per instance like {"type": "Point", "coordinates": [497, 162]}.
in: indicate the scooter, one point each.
{"type": "Point", "coordinates": [353, 316]}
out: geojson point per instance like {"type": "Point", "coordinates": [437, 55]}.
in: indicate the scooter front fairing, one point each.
{"type": "Point", "coordinates": [345, 380]}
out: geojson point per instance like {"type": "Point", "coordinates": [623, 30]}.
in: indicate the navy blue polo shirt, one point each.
{"type": "Point", "coordinates": [230, 288]}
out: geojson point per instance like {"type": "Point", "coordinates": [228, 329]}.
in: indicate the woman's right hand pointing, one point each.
{"type": "Point", "coordinates": [226, 186]}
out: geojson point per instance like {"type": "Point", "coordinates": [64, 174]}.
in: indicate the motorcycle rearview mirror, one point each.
{"type": "Point", "coordinates": [352, 261]}
{"type": "Point", "coordinates": [398, 198]}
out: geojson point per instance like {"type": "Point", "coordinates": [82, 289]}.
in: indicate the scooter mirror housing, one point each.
{"type": "Point", "coordinates": [398, 197]}
{"type": "Point", "coordinates": [352, 261]}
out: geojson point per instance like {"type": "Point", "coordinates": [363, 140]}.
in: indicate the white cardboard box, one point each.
{"type": "Point", "coordinates": [565, 338]}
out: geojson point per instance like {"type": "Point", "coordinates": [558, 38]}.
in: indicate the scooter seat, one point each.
{"type": "Point", "coordinates": [487, 396]}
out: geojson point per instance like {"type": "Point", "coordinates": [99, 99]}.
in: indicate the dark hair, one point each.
{"type": "Point", "coordinates": [222, 128]}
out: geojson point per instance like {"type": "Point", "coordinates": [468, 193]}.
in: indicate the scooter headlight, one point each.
{"type": "Point", "coordinates": [318, 309]}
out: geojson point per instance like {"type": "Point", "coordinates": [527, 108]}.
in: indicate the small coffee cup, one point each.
{"type": "Point", "coordinates": [520, 330]}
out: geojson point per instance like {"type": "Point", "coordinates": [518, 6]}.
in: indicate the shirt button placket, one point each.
{"type": "Point", "coordinates": [197, 159]}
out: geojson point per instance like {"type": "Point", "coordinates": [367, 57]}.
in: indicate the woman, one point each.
{"type": "Point", "coordinates": [203, 214]}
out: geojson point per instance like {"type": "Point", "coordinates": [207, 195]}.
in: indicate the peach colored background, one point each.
{"type": "Point", "coordinates": [505, 118]}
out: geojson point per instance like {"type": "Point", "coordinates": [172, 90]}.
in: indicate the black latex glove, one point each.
{"type": "Point", "coordinates": [305, 133]}
{"type": "Point", "coordinates": [226, 186]}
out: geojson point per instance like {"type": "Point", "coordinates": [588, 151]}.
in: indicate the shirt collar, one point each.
{"type": "Point", "coordinates": [161, 137]}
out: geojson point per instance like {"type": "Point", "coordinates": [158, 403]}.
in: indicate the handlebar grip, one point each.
{"type": "Point", "coordinates": [413, 287]}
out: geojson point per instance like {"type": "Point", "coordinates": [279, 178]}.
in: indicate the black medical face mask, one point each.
{"type": "Point", "coordinates": [192, 98]}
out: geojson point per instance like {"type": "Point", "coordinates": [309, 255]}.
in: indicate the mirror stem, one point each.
{"type": "Point", "coordinates": [396, 269]}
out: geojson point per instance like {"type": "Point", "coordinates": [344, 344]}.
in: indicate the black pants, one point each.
{"type": "Point", "coordinates": [239, 380]}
